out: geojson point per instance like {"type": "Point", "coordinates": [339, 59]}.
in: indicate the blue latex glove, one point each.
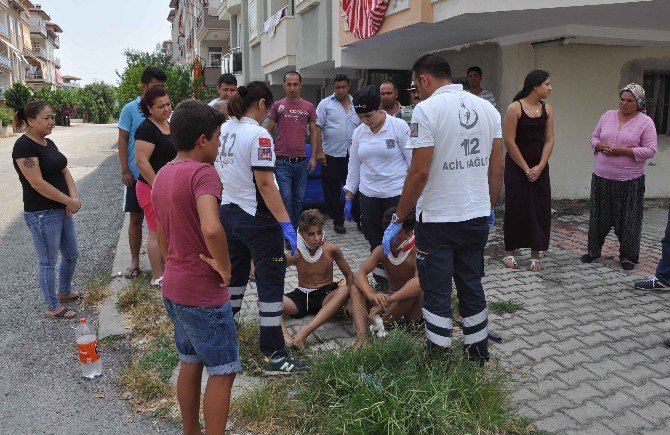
{"type": "Point", "coordinates": [289, 234]}
{"type": "Point", "coordinates": [389, 236]}
{"type": "Point", "coordinates": [492, 218]}
{"type": "Point", "coordinates": [348, 204]}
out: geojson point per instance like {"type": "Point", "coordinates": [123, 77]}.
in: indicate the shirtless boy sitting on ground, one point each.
{"type": "Point", "coordinates": [405, 297]}
{"type": "Point", "coordinates": [316, 294]}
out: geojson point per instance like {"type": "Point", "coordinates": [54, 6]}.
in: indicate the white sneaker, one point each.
{"type": "Point", "coordinates": [158, 282]}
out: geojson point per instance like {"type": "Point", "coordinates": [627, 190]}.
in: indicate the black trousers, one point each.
{"type": "Point", "coordinates": [372, 212]}
{"type": "Point", "coordinates": [454, 250]}
{"type": "Point", "coordinates": [333, 179]}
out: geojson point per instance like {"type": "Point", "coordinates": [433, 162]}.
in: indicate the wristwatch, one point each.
{"type": "Point", "coordinates": [395, 219]}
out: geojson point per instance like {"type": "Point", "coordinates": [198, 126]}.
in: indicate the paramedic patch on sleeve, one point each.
{"type": "Point", "coordinates": [414, 129]}
{"type": "Point", "coordinates": [264, 142]}
{"type": "Point", "coordinates": [264, 153]}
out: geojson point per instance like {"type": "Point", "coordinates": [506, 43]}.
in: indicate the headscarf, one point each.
{"type": "Point", "coordinates": [638, 93]}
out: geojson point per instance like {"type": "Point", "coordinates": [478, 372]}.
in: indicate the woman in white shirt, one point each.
{"type": "Point", "coordinates": [378, 162]}
{"type": "Point", "coordinates": [254, 218]}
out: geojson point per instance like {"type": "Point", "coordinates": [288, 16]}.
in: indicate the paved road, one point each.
{"type": "Point", "coordinates": [41, 390]}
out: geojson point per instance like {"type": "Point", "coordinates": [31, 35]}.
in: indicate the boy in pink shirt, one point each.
{"type": "Point", "coordinates": [186, 195]}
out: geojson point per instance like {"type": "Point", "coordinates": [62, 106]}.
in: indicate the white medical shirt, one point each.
{"type": "Point", "coordinates": [378, 163]}
{"type": "Point", "coordinates": [244, 147]}
{"type": "Point", "coordinates": [461, 128]}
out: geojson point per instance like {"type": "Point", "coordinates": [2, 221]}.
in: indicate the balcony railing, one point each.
{"type": "Point", "coordinates": [41, 53]}
{"type": "Point", "coordinates": [231, 62]}
{"type": "Point", "coordinates": [4, 30]}
{"type": "Point", "coordinates": [5, 62]}
{"type": "Point", "coordinates": [57, 62]}
{"type": "Point", "coordinates": [38, 76]}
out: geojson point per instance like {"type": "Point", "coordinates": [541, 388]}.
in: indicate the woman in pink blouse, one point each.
{"type": "Point", "coordinates": [623, 141]}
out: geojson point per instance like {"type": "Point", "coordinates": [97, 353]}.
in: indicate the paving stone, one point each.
{"type": "Point", "coordinates": [572, 359]}
{"type": "Point", "coordinates": [539, 353]}
{"type": "Point", "coordinates": [549, 405]}
{"type": "Point", "coordinates": [576, 376]}
{"type": "Point", "coordinates": [638, 375]}
{"type": "Point", "coordinates": [546, 367]}
{"type": "Point", "coordinates": [588, 412]}
{"type": "Point", "coordinates": [647, 391]}
{"type": "Point", "coordinates": [627, 422]}
{"type": "Point", "coordinates": [595, 429]}
{"type": "Point", "coordinates": [604, 367]}
{"type": "Point", "coordinates": [612, 382]}
{"type": "Point", "coordinates": [599, 352]}
{"type": "Point", "coordinates": [617, 401]}
{"type": "Point", "coordinates": [655, 412]}
{"type": "Point", "coordinates": [584, 391]}
{"type": "Point", "coordinates": [594, 339]}
{"type": "Point", "coordinates": [558, 422]}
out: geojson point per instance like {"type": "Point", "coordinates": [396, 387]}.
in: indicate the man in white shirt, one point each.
{"type": "Point", "coordinates": [227, 86]}
{"type": "Point", "coordinates": [456, 175]}
{"type": "Point", "coordinates": [389, 97]}
{"type": "Point", "coordinates": [475, 81]}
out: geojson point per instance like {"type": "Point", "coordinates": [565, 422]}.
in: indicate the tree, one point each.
{"type": "Point", "coordinates": [17, 96]}
{"type": "Point", "coordinates": [103, 96]}
{"type": "Point", "coordinates": [179, 84]}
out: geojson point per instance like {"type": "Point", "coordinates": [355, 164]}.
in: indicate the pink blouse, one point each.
{"type": "Point", "coordinates": [639, 133]}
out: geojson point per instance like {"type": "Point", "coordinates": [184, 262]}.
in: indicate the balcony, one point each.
{"type": "Point", "coordinates": [231, 62]}
{"type": "Point", "coordinates": [56, 62]}
{"type": "Point", "coordinates": [35, 77]}
{"type": "Point", "coordinates": [210, 27]}
{"type": "Point", "coordinates": [4, 30]}
{"type": "Point", "coordinates": [278, 52]}
{"type": "Point", "coordinates": [41, 53]}
{"type": "Point", "coordinates": [5, 62]}
{"type": "Point", "coordinates": [56, 42]}
{"type": "Point", "coordinates": [39, 28]}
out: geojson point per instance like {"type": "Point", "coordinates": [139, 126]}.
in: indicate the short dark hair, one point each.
{"type": "Point", "coordinates": [228, 79]}
{"type": "Point", "coordinates": [389, 82]}
{"type": "Point", "coordinates": [245, 96]}
{"type": "Point", "coordinates": [191, 119]}
{"type": "Point", "coordinates": [340, 78]}
{"type": "Point", "coordinates": [294, 73]}
{"type": "Point", "coordinates": [149, 98]}
{"type": "Point", "coordinates": [153, 73]}
{"type": "Point", "coordinates": [310, 218]}
{"type": "Point", "coordinates": [432, 64]}
{"type": "Point", "coordinates": [408, 224]}
{"type": "Point", "coordinates": [476, 69]}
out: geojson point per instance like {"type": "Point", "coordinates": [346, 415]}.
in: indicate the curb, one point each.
{"type": "Point", "coordinates": [110, 320]}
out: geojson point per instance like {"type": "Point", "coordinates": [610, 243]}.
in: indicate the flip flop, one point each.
{"type": "Point", "coordinates": [62, 314]}
{"type": "Point", "coordinates": [535, 265]}
{"type": "Point", "coordinates": [132, 272]}
{"type": "Point", "coordinates": [70, 297]}
{"type": "Point", "coordinates": [514, 264]}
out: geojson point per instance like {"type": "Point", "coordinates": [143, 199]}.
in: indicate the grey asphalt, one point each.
{"type": "Point", "coordinates": [41, 390]}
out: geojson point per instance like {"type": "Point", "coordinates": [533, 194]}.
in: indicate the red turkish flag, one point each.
{"type": "Point", "coordinates": [364, 17]}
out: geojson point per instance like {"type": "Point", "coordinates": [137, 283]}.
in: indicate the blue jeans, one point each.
{"type": "Point", "coordinates": [260, 238]}
{"type": "Point", "coordinates": [292, 181]}
{"type": "Point", "coordinates": [443, 251]}
{"type": "Point", "coordinates": [206, 335]}
{"type": "Point", "coordinates": [663, 268]}
{"type": "Point", "coordinates": [53, 231]}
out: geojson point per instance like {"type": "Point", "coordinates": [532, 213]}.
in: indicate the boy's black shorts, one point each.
{"type": "Point", "coordinates": [310, 303]}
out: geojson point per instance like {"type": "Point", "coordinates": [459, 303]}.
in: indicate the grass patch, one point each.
{"type": "Point", "coordinates": [395, 385]}
{"type": "Point", "coordinates": [96, 290]}
{"type": "Point", "coordinates": [269, 409]}
{"type": "Point", "coordinates": [248, 334]}
{"type": "Point", "coordinates": [505, 307]}
{"type": "Point", "coordinates": [138, 291]}
{"type": "Point", "coordinates": [162, 361]}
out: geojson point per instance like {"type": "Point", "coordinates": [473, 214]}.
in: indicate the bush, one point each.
{"type": "Point", "coordinates": [17, 96]}
{"type": "Point", "coordinates": [6, 116]}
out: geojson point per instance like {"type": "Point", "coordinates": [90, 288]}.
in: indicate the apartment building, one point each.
{"type": "Point", "coordinates": [199, 38]}
{"type": "Point", "coordinates": [44, 41]}
{"type": "Point", "coordinates": [14, 38]}
{"type": "Point", "coordinates": [591, 47]}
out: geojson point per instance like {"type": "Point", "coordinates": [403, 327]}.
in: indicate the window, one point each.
{"type": "Point", "coordinates": [657, 87]}
{"type": "Point", "coordinates": [215, 54]}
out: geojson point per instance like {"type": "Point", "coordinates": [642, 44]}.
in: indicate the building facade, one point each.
{"type": "Point", "coordinates": [199, 38]}
{"type": "Point", "coordinates": [44, 41]}
{"type": "Point", "coordinates": [591, 48]}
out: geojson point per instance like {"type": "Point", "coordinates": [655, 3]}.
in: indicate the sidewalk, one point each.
{"type": "Point", "coordinates": [587, 352]}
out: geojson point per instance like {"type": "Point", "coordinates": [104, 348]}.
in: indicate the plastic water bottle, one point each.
{"type": "Point", "coordinates": [87, 349]}
{"type": "Point", "coordinates": [378, 327]}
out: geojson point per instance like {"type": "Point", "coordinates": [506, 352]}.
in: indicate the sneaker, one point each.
{"type": "Point", "coordinates": [627, 265]}
{"type": "Point", "coordinates": [651, 283]}
{"type": "Point", "coordinates": [285, 366]}
{"type": "Point", "coordinates": [588, 258]}
{"type": "Point", "coordinates": [158, 282]}
{"type": "Point", "coordinates": [339, 229]}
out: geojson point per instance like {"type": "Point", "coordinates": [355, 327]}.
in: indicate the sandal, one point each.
{"type": "Point", "coordinates": [510, 262]}
{"type": "Point", "coordinates": [62, 314]}
{"type": "Point", "coordinates": [535, 265]}
{"type": "Point", "coordinates": [68, 298]}
{"type": "Point", "coordinates": [132, 272]}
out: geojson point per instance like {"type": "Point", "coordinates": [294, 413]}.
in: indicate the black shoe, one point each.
{"type": "Point", "coordinates": [627, 265]}
{"type": "Point", "coordinates": [652, 283]}
{"type": "Point", "coordinates": [588, 258]}
{"type": "Point", "coordinates": [285, 366]}
{"type": "Point", "coordinates": [339, 229]}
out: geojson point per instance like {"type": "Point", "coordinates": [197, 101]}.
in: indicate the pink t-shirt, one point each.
{"type": "Point", "coordinates": [639, 134]}
{"type": "Point", "coordinates": [292, 118]}
{"type": "Point", "coordinates": [187, 279]}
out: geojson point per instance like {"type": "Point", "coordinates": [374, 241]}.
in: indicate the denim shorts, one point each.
{"type": "Point", "coordinates": [206, 335]}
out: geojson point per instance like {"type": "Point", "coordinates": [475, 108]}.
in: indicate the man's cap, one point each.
{"type": "Point", "coordinates": [412, 87]}
{"type": "Point", "coordinates": [367, 99]}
